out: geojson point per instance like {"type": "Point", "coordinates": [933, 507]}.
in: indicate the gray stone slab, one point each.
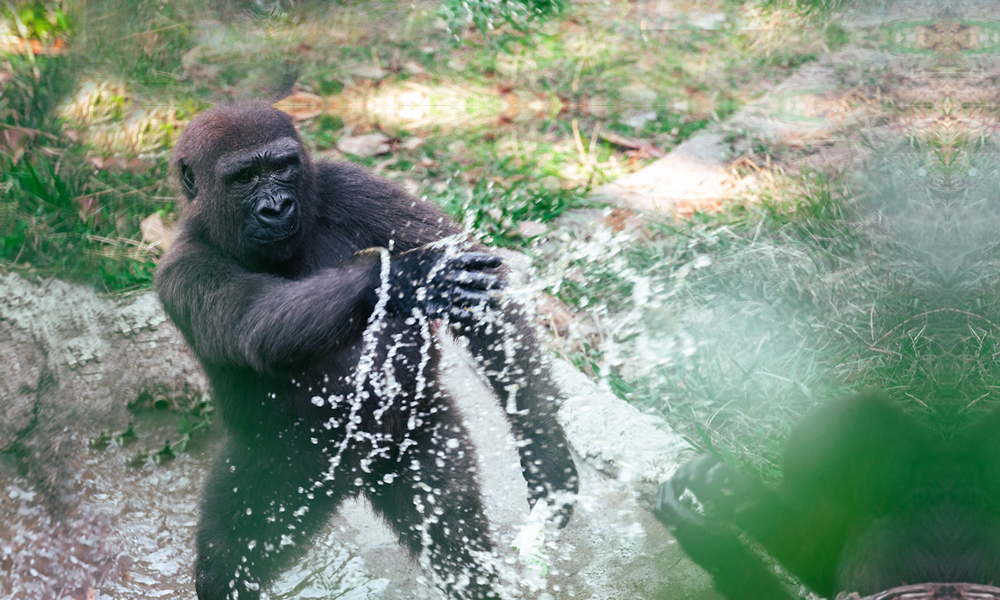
{"type": "Point", "coordinates": [106, 353]}
{"type": "Point", "coordinates": [612, 548]}
{"type": "Point", "coordinates": [693, 172]}
{"type": "Point", "coordinates": [806, 108]}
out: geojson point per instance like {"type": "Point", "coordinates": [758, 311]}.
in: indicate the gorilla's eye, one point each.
{"type": "Point", "coordinates": [244, 176]}
{"type": "Point", "coordinates": [285, 166]}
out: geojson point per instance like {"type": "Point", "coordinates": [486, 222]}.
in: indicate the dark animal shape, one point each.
{"type": "Point", "coordinates": [870, 500]}
{"type": "Point", "coordinates": [308, 292]}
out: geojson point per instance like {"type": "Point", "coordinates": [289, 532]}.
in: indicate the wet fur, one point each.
{"type": "Point", "coordinates": [274, 334]}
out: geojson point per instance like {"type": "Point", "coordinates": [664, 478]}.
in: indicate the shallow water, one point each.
{"type": "Point", "coordinates": [133, 532]}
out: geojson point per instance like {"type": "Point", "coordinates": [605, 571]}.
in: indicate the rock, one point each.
{"type": "Point", "coordinates": [301, 105]}
{"type": "Point", "coordinates": [23, 367]}
{"type": "Point", "coordinates": [631, 447]}
{"type": "Point", "coordinates": [804, 110]}
{"type": "Point", "coordinates": [638, 119]}
{"type": "Point", "coordinates": [530, 229]}
{"type": "Point", "coordinates": [706, 20]}
{"type": "Point", "coordinates": [612, 549]}
{"type": "Point", "coordinates": [368, 71]}
{"type": "Point", "coordinates": [695, 172]}
{"type": "Point", "coordinates": [413, 67]}
{"type": "Point", "coordinates": [104, 353]}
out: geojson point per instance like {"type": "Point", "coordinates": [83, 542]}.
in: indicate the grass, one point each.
{"type": "Point", "coordinates": [506, 137]}
{"type": "Point", "coordinates": [732, 326]}
{"type": "Point", "coordinates": [74, 195]}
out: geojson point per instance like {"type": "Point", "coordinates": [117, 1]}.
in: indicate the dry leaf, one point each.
{"type": "Point", "coordinates": [411, 186]}
{"type": "Point", "coordinates": [645, 150]}
{"type": "Point", "coordinates": [620, 140]}
{"type": "Point", "coordinates": [155, 232]}
{"type": "Point", "coordinates": [554, 313]}
{"type": "Point", "coordinates": [16, 45]}
{"type": "Point", "coordinates": [14, 140]}
{"type": "Point", "coordinates": [118, 164]}
{"type": "Point", "coordinates": [368, 71]}
{"type": "Point", "coordinates": [530, 229]}
{"type": "Point", "coordinates": [620, 219]}
{"type": "Point", "coordinates": [411, 143]}
{"type": "Point", "coordinates": [301, 105]}
{"type": "Point", "coordinates": [369, 144]}
{"type": "Point", "coordinates": [86, 207]}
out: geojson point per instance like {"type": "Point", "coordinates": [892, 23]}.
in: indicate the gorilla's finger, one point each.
{"type": "Point", "coordinates": [476, 280]}
{"type": "Point", "coordinates": [462, 316]}
{"type": "Point", "coordinates": [669, 510]}
{"type": "Point", "coordinates": [475, 261]}
{"type": "Point", "coordinates": [466, 298]}
{"type": "Point", "coordinates": [694, 474]}
{"type": "Point", "coordinates": [454, 314]}
{"type": "Point", "coordinates": [661, 495]}
{"type": "Point", "coordinates": [562, 516]}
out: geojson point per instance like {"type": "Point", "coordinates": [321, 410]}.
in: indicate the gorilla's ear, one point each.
{"type": "Point", "coordinates": [187, 181]}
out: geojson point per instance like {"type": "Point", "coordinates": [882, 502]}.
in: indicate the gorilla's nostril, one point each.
{"type": "Point", "coordinates": [274, 211]}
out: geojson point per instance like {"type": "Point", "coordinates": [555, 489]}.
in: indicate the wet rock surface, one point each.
{"type": "Point", "coordinates": [24, 365]}
{"type": "Point", "coordinates": [78, 521]}
{"type": "Point", "coordinates": [103, 355]}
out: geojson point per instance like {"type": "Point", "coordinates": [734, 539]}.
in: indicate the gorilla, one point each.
{"type": "Point", "coordinates": [870, 500]}
{"type": "Point", "coordinates": [309, 293]}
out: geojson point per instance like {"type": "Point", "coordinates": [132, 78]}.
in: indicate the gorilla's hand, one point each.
{"type": "Point", "coordinates": [721, 491]}
{"type": "Point", "coordinates": [455, 286]}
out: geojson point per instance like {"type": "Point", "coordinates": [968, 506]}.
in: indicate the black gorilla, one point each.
{"type": "Point", "coordinates": [870, 500]}
{"type": "Point", "coordinates": [309, 292]}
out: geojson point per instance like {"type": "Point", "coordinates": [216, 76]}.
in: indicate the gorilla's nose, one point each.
{"type": "Point", "coordinates": [276, 212]}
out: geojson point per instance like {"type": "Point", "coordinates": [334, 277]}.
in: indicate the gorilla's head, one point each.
{"type": "Point", "coordinates": [247, 180]}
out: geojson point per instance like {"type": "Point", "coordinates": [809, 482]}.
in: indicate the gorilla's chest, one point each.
{"type": "Point", "coordinates": [386, 377]}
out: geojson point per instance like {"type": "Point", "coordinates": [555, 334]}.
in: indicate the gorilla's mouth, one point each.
{"type": "Point", "coordinates": [274, 239]}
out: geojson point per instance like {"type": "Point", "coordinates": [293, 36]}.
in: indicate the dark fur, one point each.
{"type": "Point", "coordinates": [870, 500]}
{"type": "Point", "coordinates": [276, 325]}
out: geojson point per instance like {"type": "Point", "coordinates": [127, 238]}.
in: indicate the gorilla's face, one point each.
{"type": "Point", "coordinates": [248, 179]}
{"type": "Point", "coordinates": [264, 184]}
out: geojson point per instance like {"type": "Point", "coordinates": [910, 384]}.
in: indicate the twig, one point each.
{"type": "Point", "coordinates": [928, 313]}
{"type": "Point", "coordinates": [110, 190]}
{"type": "Point", "coordinates": [579, 141]}
{"type": "Point", "coordinates": [31, 131]}
{"type": "Point", "coordinates": [157, 30]}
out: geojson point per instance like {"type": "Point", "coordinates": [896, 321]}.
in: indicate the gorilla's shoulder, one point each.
{"type": "Point", "coordinates": [346, 176]}
{"type": "Point", "coordinates": [350, 192]}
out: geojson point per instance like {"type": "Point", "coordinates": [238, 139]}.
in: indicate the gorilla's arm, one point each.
{"type": "Point", "coordinates": [802, 532]}
{"type": "Point", "coordinates": [847, 463]}
{"type": "Point", "coordinates": [239, 318]}
{"type": "Point", "coordinates": [234, 317]}
{"type": "Point", "coordinates": [368, 211]}
{"type": "Point", "coordinates": [737, 572]}
{"type": "Point", "coordinates": [377, 213]}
